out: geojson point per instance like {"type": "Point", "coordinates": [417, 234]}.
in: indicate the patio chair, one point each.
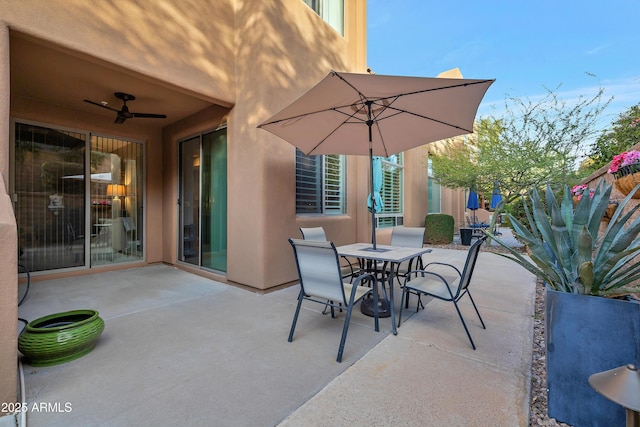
{"type": "Point", "coordinates": [477, 227]}
{"type": "Point", "coordinates": [445, 287]}
{"type": "Point", "coordinates": [318, 234]}
{"type": "Point", "coordinates": [320, 281]}
{"type": "Point", "coordinates": [410, 237]}
{"type": "Point", "coordinates": [72, 235]}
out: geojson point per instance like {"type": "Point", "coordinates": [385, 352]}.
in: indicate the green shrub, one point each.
{"type": "Point", "coordinates": [438, 229]}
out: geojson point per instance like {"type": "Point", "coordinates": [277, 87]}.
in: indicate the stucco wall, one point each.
{"type": "Point", "coordinates": [8, 299]}
{"type": "Point", "coordinates": [8, 243]}
{"type": "Point", "coordinates": [273, 69]}
{"type": "Point", "coordinates": [173, 41]}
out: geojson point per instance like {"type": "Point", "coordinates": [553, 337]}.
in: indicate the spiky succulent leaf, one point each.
{"type": "Point", "coordinates": [567, 248]}
{"type": "Point", "coordinates": [585, 276]}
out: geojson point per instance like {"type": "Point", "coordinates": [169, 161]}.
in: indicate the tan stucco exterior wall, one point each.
{"type": "Point", "coordinates": [171, 41]}
{"type": "Point", "coordinates": [8, 243]}
{"type": "Point", "coordinates": [415, 187]}
{"type": "Point", "coordinates": [8, 299]}
{"type": "Point", "coordinates": [274, 68]}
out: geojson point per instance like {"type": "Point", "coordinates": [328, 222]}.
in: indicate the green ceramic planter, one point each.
{"type": "Point", "coordinates": [60, 337]}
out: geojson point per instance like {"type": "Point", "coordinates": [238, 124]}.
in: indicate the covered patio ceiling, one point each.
{"type": "Point", "coordinates": [42, 72]}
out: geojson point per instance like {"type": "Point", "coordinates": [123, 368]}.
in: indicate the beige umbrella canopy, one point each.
{"type": "Point", "coordinates": [377, 115]}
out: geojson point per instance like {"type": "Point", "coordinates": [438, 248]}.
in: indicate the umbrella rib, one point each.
{"type": "Point", "coordinates": [438, 88]}
{"type": "Point", "coordinates": [362, 98]}
{"type": "Point", "coordinates": [294, 117]}
{"type": "Point", "coordinates": [399, 111]}
{"type": "Point", "coordinates": [349, 116]}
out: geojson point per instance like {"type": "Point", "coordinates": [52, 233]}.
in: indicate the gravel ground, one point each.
{"type": "Point", "coordinates": [538, 403]}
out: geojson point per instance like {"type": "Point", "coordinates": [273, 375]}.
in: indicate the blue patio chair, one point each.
{"type": "Point", "coordinates": [445, 287]}
{"type": "Point", "coordinates": [320, 281]}
{"type": "Point", "coordinates": [477, 227]}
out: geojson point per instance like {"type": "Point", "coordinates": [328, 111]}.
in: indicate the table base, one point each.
{"type": "Point", "coordinates": [366, 307]}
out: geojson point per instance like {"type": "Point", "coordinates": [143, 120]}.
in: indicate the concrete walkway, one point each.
{"type": "Point", "coordinates": [181, 350]}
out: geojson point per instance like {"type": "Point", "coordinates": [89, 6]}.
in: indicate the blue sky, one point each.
{"type": "Point", "coordinates": [525, 45]}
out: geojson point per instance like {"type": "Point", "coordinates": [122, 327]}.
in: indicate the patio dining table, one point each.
{"type": "Point", "coordinates": [384, 253]}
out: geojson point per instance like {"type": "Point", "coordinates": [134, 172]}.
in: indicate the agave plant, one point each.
{"type": "Point", "coordinates": [567, 250]}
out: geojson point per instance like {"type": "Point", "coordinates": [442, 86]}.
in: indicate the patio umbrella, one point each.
{"type": "Point", "coordinates": [375, 199]}
{"type": "Point", "coordinates": [396, 113]}
{"type": "Point", "coordinates": [496, 196]}
{"type": "Point", "coordinates": [473, 203]}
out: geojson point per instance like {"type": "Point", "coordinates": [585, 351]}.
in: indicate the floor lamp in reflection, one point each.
{"type": "Point", "coordinates": [116, 191]}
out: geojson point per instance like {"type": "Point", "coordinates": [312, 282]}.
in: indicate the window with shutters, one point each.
{"type": "Point", "coordinates": [320, 184]}
{"type": "Point", "coordinates": [392, 213]}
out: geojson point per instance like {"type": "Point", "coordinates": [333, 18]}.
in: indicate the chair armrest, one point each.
{"type": "Point", "coordinates": [356, 284]}
{"type": "Point", "coordinates": [447, 285]}
{"type": "Point", "coordinates": [364, 276]}
{"type": "Point", "coordinates": [444, 264]}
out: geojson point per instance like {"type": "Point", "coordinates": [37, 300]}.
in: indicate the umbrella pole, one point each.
{"type": "Point", "coordinates": [373, 199]}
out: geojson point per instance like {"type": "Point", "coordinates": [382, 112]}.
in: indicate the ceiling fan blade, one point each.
{"type": "Point", "coordinates": [119, 119]}
{"type": "Point", "coordinates": [150, 116]}
{"type": "Point", "coordinates": [100, 105]}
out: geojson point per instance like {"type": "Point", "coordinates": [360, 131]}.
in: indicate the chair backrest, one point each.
{"type": "Point", "coordinates": [470, 264]}
{"type": "Point", "coordinates": [313, 233]}
{"type": "Point", "coordinates": [319, 269]}
{"type": "Point", "coordinates": [409, 237]}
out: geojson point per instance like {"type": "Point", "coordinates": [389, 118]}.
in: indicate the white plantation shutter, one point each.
{"type": "Point", "coordinates": [320, 184]}
{"type": "Point", "coordinates": [308, 174]}
{"type": "Point", "coordinates": [333, 188]}
{"type": "Point", "coordinates": [392, 192]}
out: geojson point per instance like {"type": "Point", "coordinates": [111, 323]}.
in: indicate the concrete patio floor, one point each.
{"type": "Point", "coordinates": [182, 350]}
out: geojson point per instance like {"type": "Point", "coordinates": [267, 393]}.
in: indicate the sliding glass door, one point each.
{"type": "Point", "coordinates": [77, 198]}
{"type": "Point", "coordinates": [203, 201]}
{"type": "Point", "coordinates": [189, 250]}
{"type": "Point", "coordinates": [49, 197]}
{"type": "Point", "coordinates": [116, 200]}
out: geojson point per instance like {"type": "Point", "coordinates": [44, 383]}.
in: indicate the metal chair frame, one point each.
{"type": "Point", "coordinates": [322, 283]}
{"type": "Point", "coordinates": [433, 284]}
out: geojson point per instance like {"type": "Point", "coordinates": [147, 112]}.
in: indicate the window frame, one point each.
{"type": "Point", "coordinates": [327, 9]}
{"type": "Point", "coordinates": [330, 198]}
{"type": "Point", "coordinates": [393, 199]}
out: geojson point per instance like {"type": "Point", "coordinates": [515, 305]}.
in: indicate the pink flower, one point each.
{"type": "Point", "coordinates": [577, 190]}
{"type": "Point", "coordinates": [621, 160]}
{"type": "Point", "coordinates": [631, 158]}
{"type": "Point", "coordinates": [616, 163]}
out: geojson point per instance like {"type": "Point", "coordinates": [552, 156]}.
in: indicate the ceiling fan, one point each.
{"type": "Point", "coordinates": [124, 113]}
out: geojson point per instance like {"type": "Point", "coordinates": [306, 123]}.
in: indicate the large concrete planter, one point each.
{"type": "Point", "coordinates": [586, 335]}
{"type": "Point", "coordinates": [60, 337]}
